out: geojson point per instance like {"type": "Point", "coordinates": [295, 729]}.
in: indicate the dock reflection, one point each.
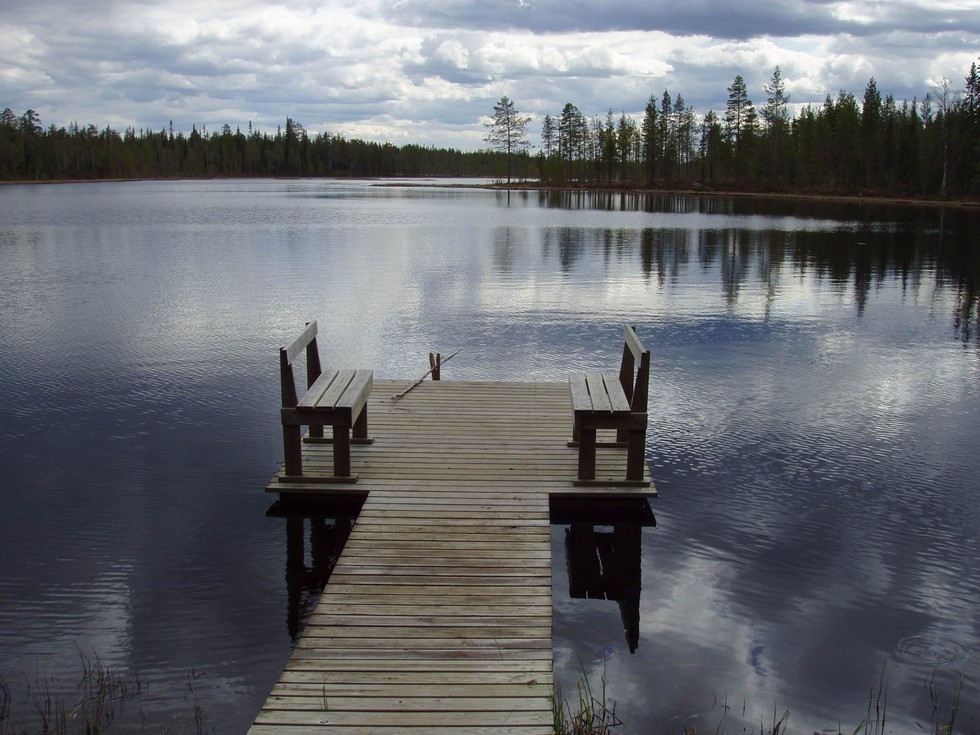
{"type": "Point", "coordinates": [602, 552]}
{"type": "Point", "coordinates": [327, 525]}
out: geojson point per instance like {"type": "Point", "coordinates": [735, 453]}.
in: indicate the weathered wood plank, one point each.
{"type": "Point", "coordinates": [316, 391]}
{"type": "Point", "coordinates": [367, 645]}
{"type": "Point", "coordinates": [430, 594]}
{"type": "Point", "coordinates": [421, 690]}
{"type": "Point", "coordinates": [457, 729]}
{"type": "Point", "coordinates": [416, 702]}
{"type": "Point", "coordinates": [597, 392]}
{"type": "Point", "coordinates": [614, 389]}
{"type": "Point", "coordinates": [436, 561]}
{"type": "Point", "coordinates": [323, 628]}
{"type": "Point", "coordinates": [485, 545]}
{"type": "Point", "coordinates": [332, 619]}
{"type": "Point", "coordinates": [298, 344]}
{"type": "Point", "coordinates": [402, 719]}
{"type": "Point", "coordinates": [328, 657]}
{"type": "Point", "coordinates": [495, 669]}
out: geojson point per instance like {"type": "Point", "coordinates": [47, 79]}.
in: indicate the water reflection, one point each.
{"type": "Point", "coordinates": [813, 420]}
{"type": "Point", "coordinates": [770, 265]}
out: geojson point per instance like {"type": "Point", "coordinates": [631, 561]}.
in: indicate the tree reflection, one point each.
{"type": "Point", "coordinates": [856, 248]}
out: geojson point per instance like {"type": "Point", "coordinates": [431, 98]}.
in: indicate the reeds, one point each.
{"type": "Point", "coordinates": [944, 725]}
{"type": "Point", "coordinates": [102, 697]}
{"type": "Point", "coordinates": [590, 716]}
{"type": "Point", "coordinates": [102, 694]}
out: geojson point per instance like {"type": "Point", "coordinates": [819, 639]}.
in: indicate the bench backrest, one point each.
{"type": "Point", "coordinates": [307, 341]}
{"type": "Point", "coordinates": [634, 371]}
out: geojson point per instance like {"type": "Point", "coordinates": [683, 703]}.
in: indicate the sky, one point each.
{"type": "Point", "coordinates": [430, 71]}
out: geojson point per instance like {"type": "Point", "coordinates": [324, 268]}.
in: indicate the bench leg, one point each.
{"type": "Point", "coordinates": [292, 449]}
{"type": "Point", "coordinates": [341, 451]}
{"type": "Point", "coordinates": [635, 454]}
{"type": "Point", "coordinates": [361, 425]}
{"type": "Point", "coordinates": [586, 454]}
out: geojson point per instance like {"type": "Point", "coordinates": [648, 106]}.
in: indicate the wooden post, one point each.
{"type": "Point", "coordinates": [361, 426]}
{"type": "Point", "coordinates": [627, 369]}
{"type": "Point", "coordinates": [635, 454]}
{"type": "Point", "coordinates": [341, 451]}
{"type": "Point", "coordinates": [586, 454]}
{"type": "Point", "coordinates": [435, 363]}
{"type": "Point", "coordinates": [313, 371]}
{"type": "Point", "coordinates": [292, 449]}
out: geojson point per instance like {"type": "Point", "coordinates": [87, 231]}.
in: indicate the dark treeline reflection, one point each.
{"type": "Point", "coordinates": [854, 248]}
{"type": "Point", "coordinates": [844, 210]}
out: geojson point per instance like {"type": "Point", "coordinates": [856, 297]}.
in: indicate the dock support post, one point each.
{"type": "Point", "coordinates": [292, 447]}
{"type": "Point", "coordinates": [586, 454]}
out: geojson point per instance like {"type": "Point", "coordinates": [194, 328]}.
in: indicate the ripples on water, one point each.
{"type": "Point", "coordinates": [813, 419]}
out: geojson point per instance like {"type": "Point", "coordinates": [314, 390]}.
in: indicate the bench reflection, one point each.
{"type": "Point", "coordinates": [603, 552]}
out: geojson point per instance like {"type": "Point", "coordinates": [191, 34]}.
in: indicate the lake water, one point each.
{"type": "Point", "coordinates": [813, 434]}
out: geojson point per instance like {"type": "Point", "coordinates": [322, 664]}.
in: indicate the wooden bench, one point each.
{"type": "Point", "coordinates": [610, 401]}
{"type": "Point", "coordinates": [335, 398]}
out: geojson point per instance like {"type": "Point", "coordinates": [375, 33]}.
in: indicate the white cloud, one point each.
{"type": "Point", "coordinates": [392, 69]}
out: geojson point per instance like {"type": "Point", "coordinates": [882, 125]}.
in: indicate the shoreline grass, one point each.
{"type": "Point", "coordinates": [597, 716]}
{"type": "Point", "coordinates": [104, 694]}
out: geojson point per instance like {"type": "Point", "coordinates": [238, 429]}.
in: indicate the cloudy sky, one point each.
{"type": "Point", "coordinates": [429, 71]}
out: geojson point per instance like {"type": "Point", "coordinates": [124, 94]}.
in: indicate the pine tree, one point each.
{"type": "Point", "coordinates": [739, 112]}
{"type": "Point", "coordinates": [709, 148]}
{"type": "Point", "coordinates": [507, 132]}
{"type": "Point", "coordinates": [971, 142]}
{"type": "Point", "coordinates": [548, 134]}
{"type": "Point", "coordinates": [626, 135]}
{"type": "Point", "coordinates": [651, 154]}
{"type": "Point", "coordinates": [871, 124]}
{"type": "Point", "coordinates": [775, 116]}
{"type": "Point", "coordinates": [573, 133]}
{"type": "Point", "coordinates": [549, 149]}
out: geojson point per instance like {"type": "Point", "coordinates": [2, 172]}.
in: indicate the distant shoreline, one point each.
{"type": "Point", "coordinates": [429, 181]}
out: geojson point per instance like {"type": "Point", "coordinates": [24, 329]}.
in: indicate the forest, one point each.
{"type": "Point", "coordinates": [30, 152]}
{"type": "Point", "coordinates": [872, 145]}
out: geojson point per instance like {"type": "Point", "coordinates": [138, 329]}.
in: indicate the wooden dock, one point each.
{"type": "Point", "coordinates": [437, 616]}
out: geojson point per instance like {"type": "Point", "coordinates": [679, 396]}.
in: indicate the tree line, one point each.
{"type": "Point", "coordinates": [875, 145]}
{"type": "Point", "coordinates": [29, 151]}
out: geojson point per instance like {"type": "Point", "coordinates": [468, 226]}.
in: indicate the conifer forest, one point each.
{"type": "Point", "coordinates": [866, 144]}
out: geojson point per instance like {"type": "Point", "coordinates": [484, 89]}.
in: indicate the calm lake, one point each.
{"type": "Point", "coordinates": [815, 423]}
